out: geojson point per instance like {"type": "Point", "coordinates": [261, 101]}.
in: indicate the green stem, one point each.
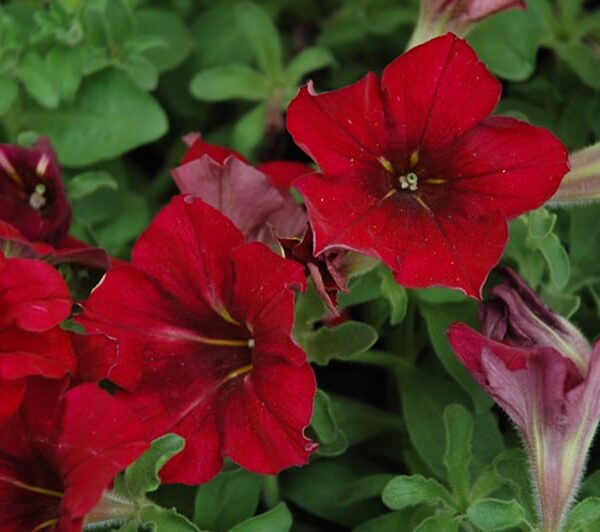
{"type": "Point", "coordinates": [271, 491]}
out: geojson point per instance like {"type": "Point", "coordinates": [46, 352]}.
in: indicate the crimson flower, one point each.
{"type": "Point", "coordinates": [414, 172]}
{"type": "Point", "coordinates": [34, 300]}
{"type": "Point", "coordinates": [203, 324]}
{"type": "Point", "coordinates": [60, 452]}
{"type": "Point", "coordinates": [546, 376]}
{"type": "Point", "coordinates": [35, 214]}
{"type": "Point", "coordinates": [257, 200]}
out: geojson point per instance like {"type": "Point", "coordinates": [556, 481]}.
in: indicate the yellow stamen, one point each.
{"type": "Point", "coordinates": [414, 158]}
{"type": "Point", "coordinates": [236, 373]}
{"type": "Point", "coordinates": [12, 173]}
{"type": "Point", "coordinates": [224, 313]}
{"type": "Point", "coordinates": [435, 181]}
{"type": "Point", "coordinates": [420, 201]}
{"type": "Point", "coordinates": [45, 524]}
{"type": "Point", "coordinates": [386, 164]}
{"type": "Point", "coordinates": [42, 165]}
{"type": "Point", "coordinates": [389, 194]}
{"type": "Point", "coordinates": [226, 343]}
{"type": "Point", "coordinates": [34, 489]}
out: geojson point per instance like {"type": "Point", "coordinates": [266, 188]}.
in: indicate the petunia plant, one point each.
{"type": "Point", "coordinates": [299, 266]}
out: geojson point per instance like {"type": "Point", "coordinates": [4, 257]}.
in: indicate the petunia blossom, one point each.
{"type": "Point", "coordinates": [35, 214]}
{"type": "Point", "coordinates": [34, 300]}
{"type": "Point", "coordinates": [415, 173]}
{"type": "Point", "coordinates": [60, 452]}
{"type": "Point", "coordinates": [458, 16]}
{"type": "Point", "coordinates": [258, 200]}
{"type": "Point", "coordinates": [203, 324]}
{"type": "Point", "coordinates": [546, 376]}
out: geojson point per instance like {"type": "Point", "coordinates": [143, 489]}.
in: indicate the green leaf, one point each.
{"type": "Point", "coordinates": [228, 499]}
{"type": "Point", "coordinates": [8, 93]}
{"type": "Point", "coordinates": [438, 318]}
{"type": "Point", "coordinates": [332, 441]}
{"type": "Point", "coordinates": [163, 519]}
{"type": "Point", "coordinates": [389, 522]}
{"type": "Point", "coordinates": [581, 60]}
{"type": "Point", "coordinates": [308, 60]}
{"type": "Point", "coordinates": [279, 519]}
{"type": "Point", "coordinates": [249, 130]}
{"type": "Point", "coordinates": [508, 43]}
{"type": "Point", "coordinates": [440, 522]}
{"type": "Point", "coordinates": [404, 491]}
{"type": "Point", "coordinates": [230, 82]}
{"type": "Point", "coordinates": [172, 30]}
{"type": "Point", "coordinates": [585, 512]}
{"type": "Point", "coordinates": [362, 288]}
{"type": "Point", "coordinates": [395, 294]}
{"type": "Point", "coordinates": [541, 223]}
{"type": "Point", "coordinates": [37, 80]}
{"type": "Point", "coordinates": [316, 488]}
{"type": "Point", "coordinates": [262, 35]}
{"type": "Point", "coordinates": [65, 66]}
{"type": "Point", "coordinates": [89, 182]}
{"type": "Point", "coordinates": [109, 116]}
{"type": "Point", "coordinates": [340, 342]}
{"type": "Point", "coordinates": [142, 477]}
{"type": "Point", "coordinates": [513, 469]}
{"type": "Point", "coordinates": [141, 71]}
{"type": "Point", "coordinates": [368, 487]}
{"type": "Point", "coordinates": [494, 514]}
{"type": "Point", "coordinates": [459, 436]}
{"type": "Point", "coordinates": [557, 259]}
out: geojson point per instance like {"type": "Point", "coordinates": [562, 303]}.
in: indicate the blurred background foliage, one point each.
{"type": "Point", "coordinates": [116, 84]}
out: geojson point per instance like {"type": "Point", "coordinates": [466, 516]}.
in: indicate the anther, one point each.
{"type": "Point", "coordinates": [42, 165]}
{"type": "Point", "coordinates": [37, 199]}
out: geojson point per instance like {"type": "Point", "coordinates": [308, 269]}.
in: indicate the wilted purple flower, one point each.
{"type": "Point", "coordinates": [546, 376]}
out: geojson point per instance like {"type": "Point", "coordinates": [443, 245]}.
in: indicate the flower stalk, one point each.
{"type": "Point", "coordinates": [582, 183]}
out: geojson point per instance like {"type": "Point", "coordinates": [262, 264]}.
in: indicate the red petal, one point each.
{"type": "Point", "coordinates": [94, 444]}
{"type": "Point", "coordinates": [33, 295]}
{"type": "Point", "coordinates": [12, 396]}
{"type": "Point", "coordinates": [95, 353]}
{"type": "Point", "coordinates": [519, 165]}
{"type": "Point", "coordinates": [283, 173]}
{"type": "Point", "coordinates": [265, 416]}
{"type": "Point", "coordinates": [436, 92]}
{"type": "Point", "coordinates": [344, 130]}
{"type": "Point", "coordinates": [438, 243]}
{"type": "Point", "coordinates": [186, 250]}
{"type": "Point", "coordinates": [199, 148]}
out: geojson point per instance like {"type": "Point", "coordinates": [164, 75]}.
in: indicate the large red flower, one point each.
{"type": "Point", "coordinates": [34, 300]}
{"type": "Point", "coordinates": [60, 452]}
{"type": "Point", "coordinates": [207, 321]}
{"type": "Point", "coordinates": [414, 172]}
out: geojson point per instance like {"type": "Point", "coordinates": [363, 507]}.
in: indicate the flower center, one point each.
{"type": "Point", "coordinates": [37, 199]}
{"type": "Point", "coordinates": [409, 181]}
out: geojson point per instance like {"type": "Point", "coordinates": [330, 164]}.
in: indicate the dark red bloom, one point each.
{"type": "Point", "coordinates": [60, 452]}
{"type": "Point", "coordinates": [257, 200]}
{"type": "Point", "coordinates": [203, 326]}
{"type": "Point", "coordinates": [414, 172]}
{"type": "Point", "coordinates": [34, 300]}
{"type": "Point", "coordinates": [32, 196]}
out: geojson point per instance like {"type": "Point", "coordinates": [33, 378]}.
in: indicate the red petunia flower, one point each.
{"type": "Point", "coordinates": [34, 300]}
{"type": "Point", "coordinates": [60, 452]}
{"type": "Point", "coordinates": [35, 214]}
{"type": "Point", "coordinates": [207, 321]}
{"type": "Point", "coordinates": [257, 200]}
{"type": "Point", "coordinates": [414, 172]}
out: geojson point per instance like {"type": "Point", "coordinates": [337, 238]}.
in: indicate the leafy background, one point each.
{"type": "Point", "coordinates": [408, 440]}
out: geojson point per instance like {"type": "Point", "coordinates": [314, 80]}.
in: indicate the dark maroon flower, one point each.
{"type": "Point", "coordinates": [545, 375]}
{"type": "Point", "coordinates": [60, 452]}
{"type": "Point", "coordinates": [416, 173]}
{"type": "Point", "coordinates": [203, 324]}
{"type": "Point", "coordinates": [34, 300]}
{"type": "Point", "coordinates": [32, 196]}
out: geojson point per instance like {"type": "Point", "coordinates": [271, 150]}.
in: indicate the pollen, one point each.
{"type": "Point", "coordinates": [37, 199]}
{"type": "Point", "coordinates": [409, 181]}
